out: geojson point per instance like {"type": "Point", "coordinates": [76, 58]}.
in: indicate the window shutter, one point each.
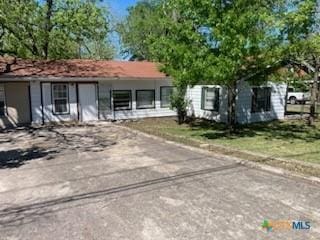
{"type": "Point", "coordinates": [268, 101]}
{"type": "Point", "coordinates": [254, 100]}
{"type": "Point", "coordinates": [2, 101]}
{"type": "Point", "coordinates": [217, 100]}
{"type": "Point", "coordinates": [203, 97]}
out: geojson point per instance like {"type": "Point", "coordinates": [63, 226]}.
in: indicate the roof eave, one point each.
{"type": "Point", "coordinates": [79, 79]}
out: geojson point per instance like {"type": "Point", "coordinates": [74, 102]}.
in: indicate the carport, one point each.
{"type": "Point", "coordinates": [14, 104]}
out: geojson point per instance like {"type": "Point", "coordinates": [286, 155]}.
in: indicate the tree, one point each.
{"type": "Point", "coordinates": [307, 53]}
{"type": "Point", "coordinates": [48, 27]}
{"type": "Point", "coordinates": [223, 42]}
{"type": "Point", "coordinates": [53, 29]}
{"type": "Point", "coordinates": [305, 50]}
{"type": "Point", "coordinates": [139, 27]}
{"type": "Point", "coordinates": [18, 25]}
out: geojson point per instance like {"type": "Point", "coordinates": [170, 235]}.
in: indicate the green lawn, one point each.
{"type": "Point", "coordinates": [298, 108]}
{"type": "Point", "coordinates": [289, 139]}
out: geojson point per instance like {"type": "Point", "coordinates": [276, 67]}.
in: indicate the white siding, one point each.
{"type": "Point", "coordinates": [244, 101]}
{"type": "Point", "coordinates": [105, 90]}
{"type": "Point", "coordinates": [73, 101]}
{"type": "Point", "coordinates": [36, 108]}
{"type": "Point", "coordinates": [48, 106]}
{"type": "Point", "coordinates": [194, 96]}
{"type": "Point", "coordinates": [133, 86]}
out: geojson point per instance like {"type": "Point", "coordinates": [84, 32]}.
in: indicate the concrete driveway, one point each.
{"type": "Point", "coordinates": [104, 182]}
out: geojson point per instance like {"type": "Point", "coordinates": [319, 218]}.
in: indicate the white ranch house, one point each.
{"type": "Point", "coordinates": [40, 92]}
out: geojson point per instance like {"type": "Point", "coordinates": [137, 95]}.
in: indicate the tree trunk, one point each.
{"type": "Point", "coordinates": [232, 95]}
{"type": "Point", "coordinates": [180, 104]}
{"type": "Point", "coordinates": [48, 28]}
{"type": "Point", "coordinates": [314, 96]}
{"type": "Point", "coordinates": [181, 117]}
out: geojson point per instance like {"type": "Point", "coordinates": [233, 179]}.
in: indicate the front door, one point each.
{"type": "Point", "coordinates": [88, 107]}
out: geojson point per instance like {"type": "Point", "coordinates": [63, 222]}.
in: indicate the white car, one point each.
{"type": "Point", "coordinates": [297, 97]}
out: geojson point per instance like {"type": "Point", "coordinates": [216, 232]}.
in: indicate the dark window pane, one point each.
{"type": "Point", "coordinates": [145, 99]}
{"type": "Point", "coordinates": [122, 100]}
{"type": "Point", "coordinates": [61, 106]}
{"type": "Point", "coordinates": [60, 91]}
{"type": "Point", "coordinates": [60, 98]}
{"type": "Point", "coordinates": [261, 99]}
{"type": "Point", "coordinates": [166, 93]}
{"type": "Point", "coordinates": [210, 99]}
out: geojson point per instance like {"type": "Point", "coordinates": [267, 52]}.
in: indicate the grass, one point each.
{"type": "Point", "coordinates": [299, 108]}
{"type": "Point", "coordinates": [288, 139]}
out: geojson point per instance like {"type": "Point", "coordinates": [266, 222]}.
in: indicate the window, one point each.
{"type": "Point", "coordinates": [145, 99]}
{"type": "Point", "coordinates": [122, 100]}
{"type": "Point", "coordinates": [104, 100]}
{"type": "Point", "coordinates": [210, 99]}
{"type": "Point", "coordinates": [2, 101]}
{"type": "Point", "coordinates": [60, 98]}
{"type": "Point", "coordinates": [290, 89]}
{"type": "Point", "coordinates": [165, 96]}
{"type": "Point", "coordinates": [261, 99]}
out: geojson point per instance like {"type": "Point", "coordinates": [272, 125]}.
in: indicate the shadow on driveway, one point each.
{"type": "Point", "coordinates": [49, 141]}
{"type": "Point", "coordinates": [16, 157]}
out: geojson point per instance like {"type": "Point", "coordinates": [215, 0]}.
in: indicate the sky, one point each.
{"type": "Point", "coordinates": [118, 10]}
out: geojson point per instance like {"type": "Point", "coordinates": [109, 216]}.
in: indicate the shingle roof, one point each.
{"type": "Point", "coordinates": [81, 69]}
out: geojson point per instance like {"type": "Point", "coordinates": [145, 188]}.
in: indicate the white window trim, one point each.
{"type": "Point", "coordinates": [218, 99]}
{"type": "Point", "coordinates": [53, 99]}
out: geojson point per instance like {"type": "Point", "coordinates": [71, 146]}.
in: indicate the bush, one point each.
{"type": "Point", "coordinates": [178, 102]}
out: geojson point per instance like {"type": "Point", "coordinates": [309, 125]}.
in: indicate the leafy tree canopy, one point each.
{"type": "Point", "coordinates": [223, 42]}
{"type": "Point", "coordinates": [305, 51]}
{"type": "Point", "coordinates": [218, 42]}
{"type": "Point", "coordinates": [136, 30]}
{"type": "Point", "coordinates": [54, 29]}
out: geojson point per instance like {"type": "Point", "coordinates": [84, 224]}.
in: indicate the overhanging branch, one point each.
{"type": "Point", "coordinates": [251, 75]}
{"type": "Point", "coordinates": [308, 65]}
